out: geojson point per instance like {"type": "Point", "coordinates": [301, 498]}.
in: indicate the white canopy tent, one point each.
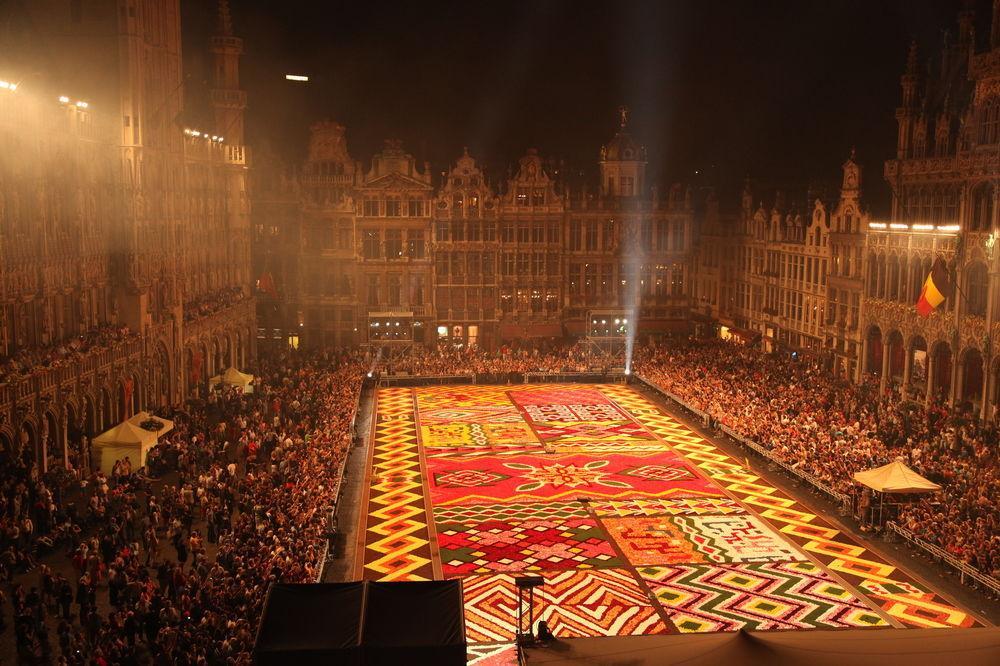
{"type": "Point", "coordinates": [895, 478]}
{"type": "Point", "coordinates": [129, 439]}
{"type": "Point", "coordinates": [233, 377]}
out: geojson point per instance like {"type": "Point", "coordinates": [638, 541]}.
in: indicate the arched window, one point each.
{"type": "Point", "coordinates": [982, 208]}
{"type": "Point", "coordinates": [976, 287]}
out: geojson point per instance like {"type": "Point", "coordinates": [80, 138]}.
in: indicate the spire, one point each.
{"type": "Point", "coordinates": [911, 59]}
{"type": "Point", "coordinates": [995, 32]}
{"type": "Point", "coordinates": [224, 22]}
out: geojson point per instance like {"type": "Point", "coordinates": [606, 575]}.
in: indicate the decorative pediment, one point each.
{"type": "Point", "coordinates": [396, 181]}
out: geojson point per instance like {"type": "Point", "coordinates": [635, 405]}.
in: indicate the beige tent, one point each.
{"type": "Point", "coordinates": [125, 439]}
{"type": "Point", "coordinates": [233, 377]}
{"type": "Point", "coordinates": [166, 425]}
{"type": "Point", "coordinates": [895, 478]}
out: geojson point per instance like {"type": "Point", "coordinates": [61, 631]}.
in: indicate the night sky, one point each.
{"type": "Point", "coordinates": [779, 90]}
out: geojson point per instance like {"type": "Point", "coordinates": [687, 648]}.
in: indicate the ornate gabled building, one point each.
{"type": "Point", "coordinates": [789, 276]}
{"type": "Point", "coordinates": [465, 264]}
{"type": "Point", "coordinates": [466, 252]}
{"type": "Point", "coordinates": [126, 248]}
{"type": "Point", "coordinates": [944, 181]}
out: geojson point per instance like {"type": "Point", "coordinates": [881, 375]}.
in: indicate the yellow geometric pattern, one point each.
{"type": "Point", "coordinates": [893, 591]}
{"type": "Point", "coordinates": [397, 542]}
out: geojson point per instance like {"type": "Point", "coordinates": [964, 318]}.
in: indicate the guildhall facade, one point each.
{"type": "Point", "coordinates": [125, 273]}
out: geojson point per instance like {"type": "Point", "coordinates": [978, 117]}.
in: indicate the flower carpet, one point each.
{"type": "Point", "coordinates": [636, 524]}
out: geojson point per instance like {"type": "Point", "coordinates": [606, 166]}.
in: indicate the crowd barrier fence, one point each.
{"type": "Point", "coordinates": [839, 497]}
{"type": "Point", "coordinates": [966, 571]}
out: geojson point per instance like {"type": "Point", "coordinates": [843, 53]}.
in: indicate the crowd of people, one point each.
{"type": "Point", "coordinates": [184, 547]}
{"type": "Point", "coordinates": [211, 303]}
{"type": "Point", "coordinates": [27, 360]}
{"type": "Point", "coordinates": [830, 429]}
{"type": "Point", "coordinates": [168, 561]}
{"type": "Point", "coordinates": [503, 364]}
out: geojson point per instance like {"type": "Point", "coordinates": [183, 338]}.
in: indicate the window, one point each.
{"type": "Point", "coordinates": [554, 235]}
{"type": "Point", "coordinates": [507, 266]}
{"type": "Point", "coordinates": [456, 204]}
{"type": "Point", "coordinates": [522, 196]}
{"type": "Point", "coordinates": [507, 231]}
{"type": "Point", "coordinates": [475, 231]}
{"type": "Point", "coordinates": [441, 265]}
{"type": "Point", "coordinates": [371, 247]}
{"type": "Point", "coordinates": [538, 196]}
{"type": "Point", "coordinates": [415, 208]}
{"type": "Point", "coordinates": [538, 232]}
{"type": "Point", "coordinates": [538, 269]}
{"type": "Point", "coordinates": [393, 208]}
{"type": "Point", "coordinates": [488, 265]}
{"type": "Point", "coordinates": [416, 290]}
{"type": "Point", "coordinates": [489, 232]}
{"type": "Point", "coordinates": [441, 232]}
{"type": "Point", "coordinates": [394, 288]}
{"type": "Point", "coordinates": [344, 238]}
{"type": "Point", "coordinates": [458, 230]}
{"type": "Point", "coordinates": [373, 297]}
{"type": "Point", "coordinates": [977, 286]}
{"type": "Point", "coordinates": [608, 235]}
{"type": "Point", "coordinates": [346, 286]}
{"type": "Point", "coordinates": [473, 261]}
{"type": "Point", "coordinates": [574, 235]}
{"type": "Point", "coordinates": [370, 208]}
{"type": "Point", "coordinates": [415, 243]}
{"type": "Point", "coordinates": [523, 261]}
{"type": "Point", "coordinates": [393, 243]}
{"type": "Point", "coordinates": [591, 237]}
{"type": "Point", "coordinates": [524, 232]}
{"type": "Point", "coordinates": [627, 186]}
{"type": "Point", "coordinates": [678, 240]}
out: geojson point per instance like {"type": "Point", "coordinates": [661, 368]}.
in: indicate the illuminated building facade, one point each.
{"type": "Point", "coordinates": [944, 180]}
{"type": "Point", "coordinates": [462, 262]}
{"type": "Point", "coordinates": [124, 236]}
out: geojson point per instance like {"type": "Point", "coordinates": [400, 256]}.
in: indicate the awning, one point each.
{"type": "Point", "coordinates": [895, 478]}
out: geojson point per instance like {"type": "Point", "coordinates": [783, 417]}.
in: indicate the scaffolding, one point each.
{"type": "Point", "coordinates": [607, 336]}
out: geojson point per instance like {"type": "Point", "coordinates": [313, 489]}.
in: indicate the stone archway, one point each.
{"type": "Point", "coordinates": [940, 371]}
{"type": "Point", "coordinates": [970, 378]}
{"type": "Point", "coordinates": [107, 417]}
{"type": "Point", "coordinates": [8, 451]}
{"type": "Point", "coordinates": [50, 443]}
{"type": "Point", "coordinates": [916, 360]}
{"type": "Point", "coordinates": [897, 357]}
{"type": "Point", "coordinates": [26, 447]}
{"type": "Point", "coordinates": [873, 360]}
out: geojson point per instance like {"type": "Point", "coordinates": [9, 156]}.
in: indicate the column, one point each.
{"type": "Point", "coordinates": [862, 361]}
{"type": "Point", "coordinates": [987, 386]}
{"type": "Point", "coordinates": [907, 371]}
{"type": "Point", "coordinates": [957, 372]}
{"type": "Point", "coordinates": [931, 367]}
{"type": "Point", "coordinates": [884, 380]}
{"type": "Point", "coordinates": [65, 437]}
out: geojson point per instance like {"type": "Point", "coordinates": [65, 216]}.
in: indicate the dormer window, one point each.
{"type": "Point", "coordinates": [522, 196]}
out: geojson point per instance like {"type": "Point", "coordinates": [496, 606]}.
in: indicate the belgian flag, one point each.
{"type": "Point", "coordinates": [937, 287]}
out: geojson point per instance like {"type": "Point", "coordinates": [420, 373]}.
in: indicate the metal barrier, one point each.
{"type": "Point", "coordinates": [964, 569]}
{"type": "Point", "coordinates": [844, 500]}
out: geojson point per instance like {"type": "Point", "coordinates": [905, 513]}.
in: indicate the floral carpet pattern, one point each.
{"type": "Point", "coordinates": [636, 523]}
